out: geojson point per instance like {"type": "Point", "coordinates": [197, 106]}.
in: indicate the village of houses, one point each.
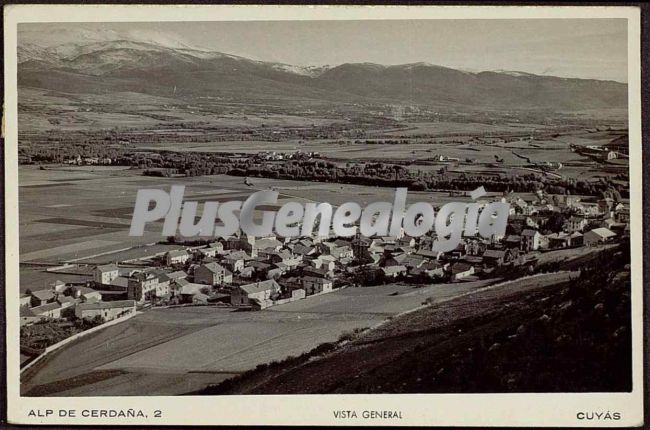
{"type": "Point", "coordinates": [249, 273]}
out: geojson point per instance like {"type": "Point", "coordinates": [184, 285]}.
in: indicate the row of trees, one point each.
{"type": "Point", "coordinates": [379, 174]}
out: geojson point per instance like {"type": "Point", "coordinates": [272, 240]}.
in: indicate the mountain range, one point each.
{"type": "Point", "coordinates": [104, 67]}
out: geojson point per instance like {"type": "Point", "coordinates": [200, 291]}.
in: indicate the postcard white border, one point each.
{"type": "Point", "coordinates": [418, 409]}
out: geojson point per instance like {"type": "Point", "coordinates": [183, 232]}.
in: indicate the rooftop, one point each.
{"type": "Point", "coordinates": [603, 232]}
{"type": "Point", "coordinates": [45, 308]}
{"type": "Point", "coordinates": [260, 286]}
{"type": "Point", "coordinates": [529, 232]}
{"type": "Point", "coordinates": [107, 305]}
{"type": "Point", "coordinates": [43, 294]}
{"type": "Point", "coordinates": [215, 267]}
{"type": "Point", "coordinates": [393, 269]}
{"type": "Point", "coordinates": [460, 268]}
{"type": "Point", "coordinates": [177, 274]}
{"type": "Point", "coordinates": [26, 312]}
{"type": "Point", "coordinates": [494, 253]}
{"type": "Point", "coordinates": [120, 281]}
{"type": "Point", "coordinates": [191, 288]}
{"type": "Point", "coordinates": [107, 268]}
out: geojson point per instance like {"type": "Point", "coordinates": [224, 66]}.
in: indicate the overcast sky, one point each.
{"type": "Point", "coordinates": [583, 48]}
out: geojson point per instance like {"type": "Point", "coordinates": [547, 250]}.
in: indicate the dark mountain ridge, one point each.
{"type": "Point", "coordinates": [104, 67]}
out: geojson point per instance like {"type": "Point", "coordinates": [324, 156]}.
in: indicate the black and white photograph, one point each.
{"type": "Point", "coordinates": [218, 208]}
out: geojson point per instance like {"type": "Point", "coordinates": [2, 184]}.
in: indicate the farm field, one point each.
{"type": "Point", "coordinates": [36, 278]}
{"type": "Point", "coordinates": [447, 127]}
{"type": "Point", "coordinates": [86, 212]}
{"type": "Point", "coordinates": [472, 157]}
{"type": "Point", "coordinates": [78, 111]}
{"type": "Point", "coordinates": [165, 343]}
{"type": "Point", "coordinates": [86, 216]}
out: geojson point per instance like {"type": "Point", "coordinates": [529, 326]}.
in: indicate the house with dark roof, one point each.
{"type": "Point", "coordinates": [41, 297]}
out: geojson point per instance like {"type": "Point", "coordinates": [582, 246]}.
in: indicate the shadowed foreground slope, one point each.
{"type": "Point", "coordinates": [565, 337]}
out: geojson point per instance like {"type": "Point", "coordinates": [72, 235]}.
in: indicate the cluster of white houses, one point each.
{"type": "Point", "coordinates": [242, 270]}
{"type": "Point", "coordinates": [64, 301]}
{"type": "Point", "coordinates": [245, 270]}
{"type": "Point", "coordinates": [262, 271]}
